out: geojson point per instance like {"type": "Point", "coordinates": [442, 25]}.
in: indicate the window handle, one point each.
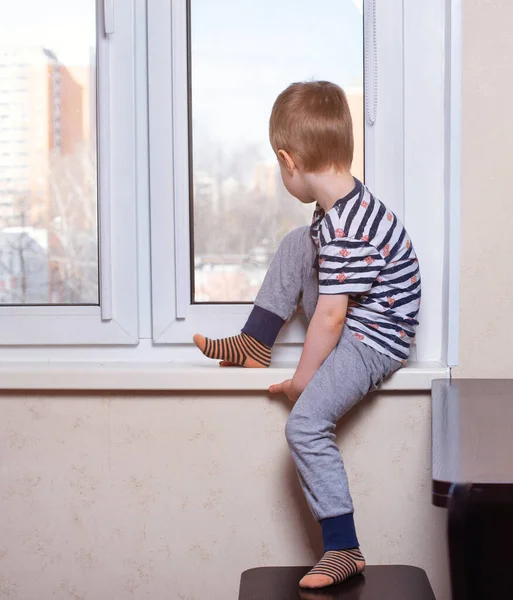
{"type": "Point", "coordinates": [108, 17]}
{"type": "Point", "coordinates": [371, 62]}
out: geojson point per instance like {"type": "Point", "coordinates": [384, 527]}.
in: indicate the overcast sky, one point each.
{"type": "Point", "coordinates": [245, 52]}
{"type": "Point", "coordinates": [65, 26]}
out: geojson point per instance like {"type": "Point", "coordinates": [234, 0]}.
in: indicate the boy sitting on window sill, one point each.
{"type": "Point", "coordinates": [358, 278]}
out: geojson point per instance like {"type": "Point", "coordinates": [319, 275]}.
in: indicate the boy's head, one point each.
{"type": "Point", "coordinates": [311, 127]}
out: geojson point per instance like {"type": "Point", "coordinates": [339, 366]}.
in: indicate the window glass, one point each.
{"type": "Point", "coordinates": [48, 159]}
{"type": "Point", "coordinates": [243, 54]}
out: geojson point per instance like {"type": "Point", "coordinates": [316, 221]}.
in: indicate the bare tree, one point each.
{"type": "Point", "coordinates": [73, 225]}
{"type": "Point", "coordinates": [49, 243]}
{"type": "Point", "coordinates": [238, 224]}
{"type": "Point", "coordinates": [22, 267]}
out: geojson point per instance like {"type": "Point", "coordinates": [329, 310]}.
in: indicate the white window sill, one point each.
{"type": "Point", "coordinates": [124, 376]}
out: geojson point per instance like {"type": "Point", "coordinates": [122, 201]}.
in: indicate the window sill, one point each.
{"type": "Point", "coordinates": [178, 377]}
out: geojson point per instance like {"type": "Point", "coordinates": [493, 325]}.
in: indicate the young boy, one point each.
{"type": "Point", "coordinates": [358, 279]}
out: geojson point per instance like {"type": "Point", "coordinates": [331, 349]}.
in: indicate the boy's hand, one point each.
{"type": "Point", "coordinates": [288, 388]}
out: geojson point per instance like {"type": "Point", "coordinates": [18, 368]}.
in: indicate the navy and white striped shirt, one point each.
{"type": "Point", "coordinates": [364, 251]}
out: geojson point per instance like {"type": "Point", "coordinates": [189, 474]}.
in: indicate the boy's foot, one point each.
{"type": "Point", "coordinates": [334, 567]}
{"type": "Point", "coordinates": [242, 350]}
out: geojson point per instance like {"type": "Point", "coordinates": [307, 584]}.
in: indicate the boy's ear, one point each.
{"type": "Point", "coordinates": [287, 160]}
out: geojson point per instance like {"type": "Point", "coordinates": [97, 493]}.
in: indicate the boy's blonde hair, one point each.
{"type": "Point", "coordinates": [312, 122]}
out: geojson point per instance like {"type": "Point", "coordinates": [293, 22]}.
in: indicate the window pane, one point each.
{"type": "Point", "coordinates": [243, 54]}
{"type": "Point", "coordinates": [48, 216]}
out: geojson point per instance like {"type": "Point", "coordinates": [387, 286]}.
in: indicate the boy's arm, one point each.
{"type": "Point", "coordinates": [322, 336]}
{"type": "Point", "coordinates": [339, 281]}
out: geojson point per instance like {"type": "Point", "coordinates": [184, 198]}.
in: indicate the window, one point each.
{"type": "Point", "coordinates": [61, 238]}
{"type": "Point", "coordinates": [175, 114]}
{"type": "Point", "coordinates": [66, 180]}
{"type": "Point", "coordinates": [219, 53]}
{"type": "Point", "coordinates": [236, 186]}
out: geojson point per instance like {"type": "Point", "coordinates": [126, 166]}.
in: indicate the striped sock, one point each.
{"type": "Point", "coordinates": [334, 567]}
{"type": "Point", "coordinates": [242, 350]}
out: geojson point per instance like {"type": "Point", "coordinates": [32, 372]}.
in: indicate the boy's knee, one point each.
{"type": "Point", "coordinates": [295, 430]}
{"type": "Point", "coordinates": [305, 428]}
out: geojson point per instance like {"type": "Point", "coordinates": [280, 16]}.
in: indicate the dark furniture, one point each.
{"type": "Point", "coordinates": [473, 477]}
{"type": "Point", "coordinates": [480, 539]}
{"type": "Point", "coordinates": [472, 434]}
{"type": "Point", "coordinates": [377, 583]}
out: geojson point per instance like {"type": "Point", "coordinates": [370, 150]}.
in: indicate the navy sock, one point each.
{"type": "Point", "coordinates": [263, 325]}
{"type": "Point", "coordinates": [339, 533]}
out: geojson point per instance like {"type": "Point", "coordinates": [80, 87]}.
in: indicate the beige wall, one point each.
{"type": "Point", "coordinates": [173, 496]}
{"type": "Point", "coordinates": [486, 332]}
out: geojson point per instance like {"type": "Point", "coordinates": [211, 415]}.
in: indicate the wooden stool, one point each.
{"type": "Point", "coordinates": [395, 582]}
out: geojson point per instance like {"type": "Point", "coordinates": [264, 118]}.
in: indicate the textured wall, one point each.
{"type": "Point", "coordinates": [172, 497]}
{"type": "Point", "coordinates": [486, 331]}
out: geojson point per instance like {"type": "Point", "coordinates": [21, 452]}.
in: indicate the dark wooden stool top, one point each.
{"type": "Point", "coordinates": [394, 582]}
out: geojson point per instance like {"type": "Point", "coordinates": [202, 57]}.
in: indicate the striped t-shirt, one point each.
{"type": "Point", "coordinates": [364, 251]}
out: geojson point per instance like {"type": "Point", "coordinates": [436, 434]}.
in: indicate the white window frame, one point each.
{"type": "Point", "coordinates": [115, 321]}
{"type": "Point", "coordinates": [412, 162]}
{"type": "Point", "coordinates": [408, 152]}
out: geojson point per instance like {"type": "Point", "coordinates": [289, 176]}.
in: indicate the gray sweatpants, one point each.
{"type": "Point", "coordinates": [346, 376]}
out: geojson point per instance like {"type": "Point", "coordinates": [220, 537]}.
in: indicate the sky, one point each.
{"type": "Point", "coordinates": [65, 26]}
{"type": "Point", "coordinates": [245, 52]}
